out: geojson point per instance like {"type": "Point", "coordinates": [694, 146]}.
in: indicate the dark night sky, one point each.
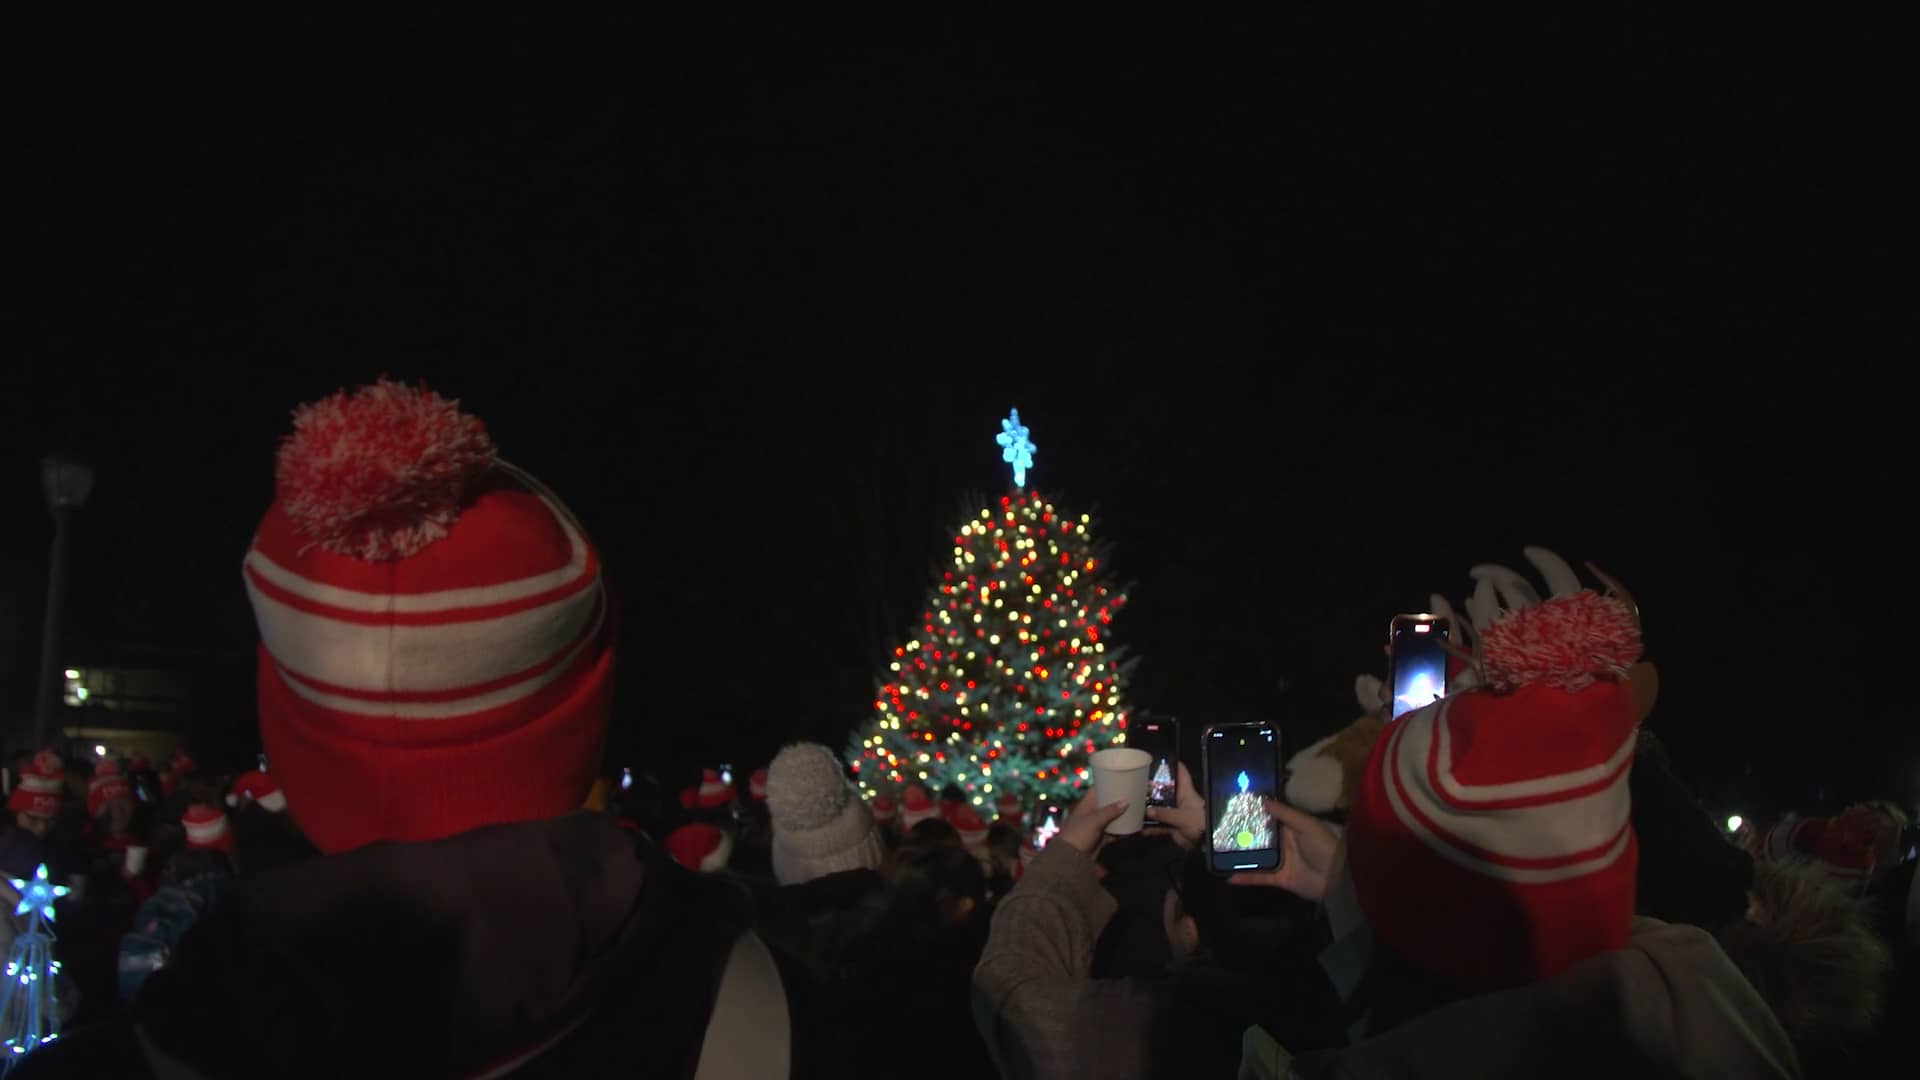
{"type": "Point", "coordinates": [1315, 316]}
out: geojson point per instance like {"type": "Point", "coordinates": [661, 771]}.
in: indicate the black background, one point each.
{"type": "Point", "coordinates": [1316, 315]}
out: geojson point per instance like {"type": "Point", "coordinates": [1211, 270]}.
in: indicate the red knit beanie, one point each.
{"type": "Point", "coordinates": [207, 828]}
{"type": "Point", "coordinates": [40, 786]}
{"type": "Point", "coordinates": [1490, 841]}
{"type": "Point", "coordinates": [436, 652]}
{"type": "Point", "coordinates": [107, 783]}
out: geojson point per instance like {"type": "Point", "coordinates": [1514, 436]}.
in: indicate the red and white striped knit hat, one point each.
{"type": "Point", "coordinates": [435, 651]}
{"type": "Point", "coordinates": [973, 831]}
{"type": "Point", "coordinates": [1490, 841]}
{"type": "Point", "coordinates": [757, 785]}
{"type": "Point", "coordinates": [40, 786]}
{"type": "Point", "coordinates": [207, 828]}
{"type": "Point", "coordinates": [917, 806]}
{"type": "Point", "coordinates": [107, 783]}
{"type": "Point", "coordinates": [713, 792]}
{"type": "Point", "coordinates": [700, 847]}
{"type": "Point", "coordinates": [258, 788]}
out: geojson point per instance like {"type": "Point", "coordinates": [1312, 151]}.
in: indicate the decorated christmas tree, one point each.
{"type": "Point", "coordinates": [29, 1018]}
{"type": "Point", "coordinates": [1009, 678]}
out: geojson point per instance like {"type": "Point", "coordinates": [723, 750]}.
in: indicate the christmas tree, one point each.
{"type": "Point", "coordinates": [1008, 681]}
{"type": "Point", "coordinates": [29, 1018]}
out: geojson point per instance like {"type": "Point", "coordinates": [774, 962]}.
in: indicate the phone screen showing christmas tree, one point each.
{"type": "Point", "coordinates": [1161, 738]}
{"type": "Point", "coordinates": [1243, 767]}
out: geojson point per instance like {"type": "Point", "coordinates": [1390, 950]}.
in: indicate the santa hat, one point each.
{"type": "Point", "coordinates": [917, 806]}
{"type": "Point", "coordinates": [182, 763]}
{"type": "Point", "coordinates": [757, 785]}
{"type": "Point", "coordinates": [821, 825]}
{"type": "Point", "coordinates": [138, 764]}
{"type": "Point", "coordinates": [885, 811]}
{"type": "Point", "coordinates": [40, 786]}
{"type": "Point", "coordinates": [1854, 848]}
{"type": "Point", "coordinates": [107, 783]}
{"type": "Point", "coordinates": [207, 828]}
{"type": "Point", "coordinates": [713, 792]}
{"type": "Point", "coordinates": [700, 847]}
{"type": "Point", "coordinates": [436, 652]}
{"type": "Point", "coordinates": [1490, 842]}
{"type": "Point", "coordinates": [1008, 807]}
{"type": "Point", "coordinates": [972, 830]}
{"type": "Point", "coordinates": [258, 788]}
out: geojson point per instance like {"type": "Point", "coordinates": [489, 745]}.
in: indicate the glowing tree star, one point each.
{"type": "Point", "coordinates": [28, 1016]}
{"type": "Point", "coordinates": [1016, 448]}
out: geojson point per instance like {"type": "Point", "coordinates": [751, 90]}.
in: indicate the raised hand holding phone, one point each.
{"type": "Point", "coordinates": [1186, 822]}
{"type": "Point", "coordinates": [1306, 854]}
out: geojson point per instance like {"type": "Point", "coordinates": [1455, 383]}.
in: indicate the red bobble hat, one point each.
{"type": "Point", "coordinates": [972, 830]}
{"type": "Point", "coordinates": [1490, 841]}
{"type": "Point", "coordinates": [207, 828]}
{"type": "Point", "coordinates": [1008, 807]}
{"type": "Point", "coordinates": [757, 785]}
{"type": "Point", "coordinates": [699, 847]}
{"type": "Point", "coordinates": [918, 806]}
{"type": "Point", "coordinates": [713, 792]}
{"type": "Point", "coordinates": [258, 788]}
{"type": "Point", "coordinates": [885, 812]}
{"type": "Point", "coordinates": [40, 786]}
{"type": "Point", "coordinates": [107, 783]}
{"type": "Point", "coordinates": [435, 650]}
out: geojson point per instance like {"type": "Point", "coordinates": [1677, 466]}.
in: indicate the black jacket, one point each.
{"type": "Point", "coordinates": [571, 940]}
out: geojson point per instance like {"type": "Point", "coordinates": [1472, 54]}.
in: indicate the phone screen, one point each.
{"type": "Point", "coordinates": [1419, 663]}
{"type": "Point", "coordinates": [626, 779]}
{"type": "Point", "coordinates": [1049, 824]}
{"type": "Point", "coordinates": [1242, 766]}
{"type": "Point", "coordinates": [1161, 738]}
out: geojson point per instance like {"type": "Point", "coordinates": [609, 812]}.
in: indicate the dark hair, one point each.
{"type": "Point", "coordinates": [189, 863]}
{"type": "Point", "coordinates": [930, 835]}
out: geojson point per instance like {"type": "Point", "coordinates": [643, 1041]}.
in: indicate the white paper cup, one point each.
{"type": "Point", "coordinates": [1120, 773]}
{"type": "Point", "coordinates": [136, 861]}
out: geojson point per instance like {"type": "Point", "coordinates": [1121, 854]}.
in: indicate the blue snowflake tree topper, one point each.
{"type": "Point", "coordinates": [1016, 448]}
{"type": "Point", "coordinates": [1243, 782]}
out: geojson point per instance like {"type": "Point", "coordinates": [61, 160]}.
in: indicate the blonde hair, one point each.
{"type": "Point", "coordinates": [1810, 948]}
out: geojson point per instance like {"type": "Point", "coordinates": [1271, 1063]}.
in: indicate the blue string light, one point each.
{"type": "Point", "coordinates": [29, 1018]}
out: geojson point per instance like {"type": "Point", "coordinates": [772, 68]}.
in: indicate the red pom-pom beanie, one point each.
{"type": "Point", "coordinates": [436, 644]}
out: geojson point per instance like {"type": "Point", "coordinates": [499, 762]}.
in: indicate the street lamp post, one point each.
{"type": "Point", "coordinates": [68, 483]}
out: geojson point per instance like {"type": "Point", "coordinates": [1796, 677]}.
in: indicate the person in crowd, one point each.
{"type": "Point", "coordinates": [1002, 858]}
{"type": "Point", "coordinates": [35, 801]}
{"type": "Point", "coordinates": [188, 885]}
{"type": "Point", "coordinates": [886, 816]}
{"type": "Point", "coordinates": [265, 835]}
{"type": "Point", "coordinates": [916, 806]}
{"type": "Point", "coordinates": [1805, 941]}
{"type": "Point", "coordinates": [1044, 1013]}
{"type": "Point", "coordinates": [434, 683]}
{"type": "Point", "coordinates": [826, 852]}
{"type": "Point", "coordinates": [753, 844]}
{"type": "Point", "coordinates": [700, 847]}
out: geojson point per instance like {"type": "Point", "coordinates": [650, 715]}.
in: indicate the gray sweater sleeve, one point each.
{"type": "Point", "coordinates": [1037, 1005]}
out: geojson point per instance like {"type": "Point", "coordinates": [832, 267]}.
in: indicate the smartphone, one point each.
{"type": "Point", "coordinates": [626, 779]}
{"type": "Point", "coordinates": [1242, 765]}
{"type": "Point", "coordinates": [1051, 818]}
{"type": "Point", "coordinates": [1417, 661]}
{"type": "Point", "coordinates": [1161, 738]}
{"type": "Point", "coordinates": [726, 774]}
{"type": "Point", "coordinates": [261, 758]}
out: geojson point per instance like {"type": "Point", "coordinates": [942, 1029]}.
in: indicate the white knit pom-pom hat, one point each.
{"type": "Point", "coordinates": [821, 825]}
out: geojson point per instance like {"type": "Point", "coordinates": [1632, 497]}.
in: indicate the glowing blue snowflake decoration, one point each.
{"type": "Point", "coordinates": [1243, 782]}
{"type": "Point", "coordinates": [37, 892]}
{"type": "Point", "coordinates": [1016, 448]}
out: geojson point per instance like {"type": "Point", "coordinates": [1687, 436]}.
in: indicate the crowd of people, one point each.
{"type": "Point", "coordinates": [438, 875]}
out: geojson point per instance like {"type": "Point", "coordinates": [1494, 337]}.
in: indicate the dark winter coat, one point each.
{"type": "Point", "coordinates": [565, 947]}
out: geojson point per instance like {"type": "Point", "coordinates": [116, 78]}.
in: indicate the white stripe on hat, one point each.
{"type": "Point", "coordinates": [419, 659]}
{"type": "Point", "coordinates": [1520, 789]}
{"type": "Point", "coordinates": [40, 785]}
{"type": "Point", "coordinates": [1532, 832]}
{"type": "Point", "coordinates": [459, 706]}
{"type": "Point", "coordinates": [446, 600]}
{"type": "Point", "coordinates": [206, 832]}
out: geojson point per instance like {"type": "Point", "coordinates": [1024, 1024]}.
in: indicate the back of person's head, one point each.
{"type": "Point", "coordinates": [1808, 945]}
{"type": "Point", "coordinates": [191, 862]}
{"type": "Point", "coordinates": [933, 834]}
{"type": "Point", "coordinates": [944, 874]}
{"type": "Point", "coordinates": [1490, 843]}
{"type": "Point", "coordinates": [821, 825]}
{"type": "Point", "coordinates": [436, 645]}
